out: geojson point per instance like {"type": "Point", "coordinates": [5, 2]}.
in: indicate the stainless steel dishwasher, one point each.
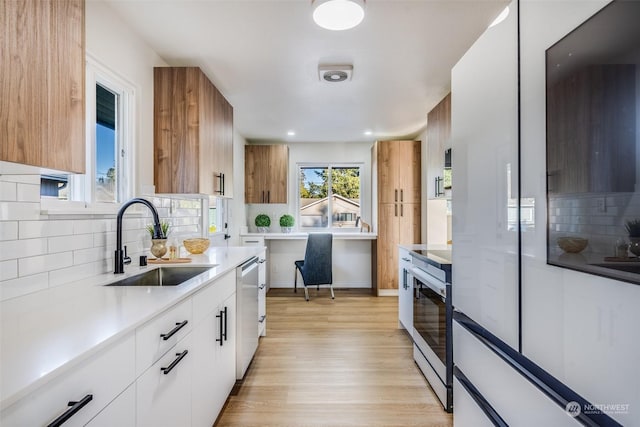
{"type": "Point", "coordinates": [247, 315]}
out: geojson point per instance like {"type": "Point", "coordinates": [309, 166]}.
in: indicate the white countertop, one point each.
{"type": "Point", "coordinates": [301, 236]}
{"type": "Point", "coordinates": [47, 333]}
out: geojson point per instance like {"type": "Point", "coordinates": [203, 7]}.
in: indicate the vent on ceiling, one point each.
{"type": "Point", "coordinates": [335, 73]}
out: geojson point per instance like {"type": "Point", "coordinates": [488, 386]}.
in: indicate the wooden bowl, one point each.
{"type": "Point", "coordinates": [572, 245]}
{"type": "Point", "coordinates": [196, 245]}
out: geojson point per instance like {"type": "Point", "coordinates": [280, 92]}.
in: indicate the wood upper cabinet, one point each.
{"type": "Point", "coordinates": [265, 173]}
{"type": "Point", "coordinates": [591, 130]}
{"type": "Point", "coordinates": [438, 141]}
{"type": "Point", "coordinates": [399, 171]}
{"type": "Point", "coordinates": [42, 63]}
{"type": "Point", "coordinates": [399, 212]}
{"type": "Point", "coordinates": [193, 134]}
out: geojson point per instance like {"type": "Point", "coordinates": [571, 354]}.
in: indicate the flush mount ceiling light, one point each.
{"type": "Point", "coordinates": [338, 15]}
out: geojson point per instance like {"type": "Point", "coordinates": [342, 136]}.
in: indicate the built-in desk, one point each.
{"type": "Point", "coordinates": [352, 257]}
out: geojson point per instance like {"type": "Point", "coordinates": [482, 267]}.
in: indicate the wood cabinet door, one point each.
{"type": "Point", "coordinates": [409, 171]}
{"type": "Point", "coordinates": [409, 224]}
{"type": "Point", "coordinates": [254, 157]}
{"type": "Point", "coordinates": [388, 170]}
{"type": "Point", "coordinates": [43, 87]}
{"type": "Point", "coordinates": [388, 220]}
{"type": "Point", "coordinates": [278, 166]}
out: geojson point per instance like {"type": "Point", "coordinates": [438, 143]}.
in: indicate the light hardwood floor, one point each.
{"type": "Point", "coordinates": [341, 362]}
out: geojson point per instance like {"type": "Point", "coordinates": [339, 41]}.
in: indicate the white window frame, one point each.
{"type": "Point", "coordinates": [83, 187]}
{"type": "Point", "coordinates": [330, 227]}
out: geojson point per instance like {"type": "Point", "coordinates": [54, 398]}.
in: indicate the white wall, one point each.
{"type": "Point", "coordinates": [580, 327]}
{"type": "Point", "coordinates": [121, 50]}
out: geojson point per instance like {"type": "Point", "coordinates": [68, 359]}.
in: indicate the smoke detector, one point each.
{"type": "Point", "coordinates": [335, 73]}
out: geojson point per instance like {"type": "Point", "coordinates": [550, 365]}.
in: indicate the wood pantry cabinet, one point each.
{"type": "Point", "coordinates": [399, 211]}
{"type": "Point", "coordinates": [265, 173]}
{"type": "Point", "coordinates": [42, 63]}
{"type": "Point", "coordinates": [193, 134]}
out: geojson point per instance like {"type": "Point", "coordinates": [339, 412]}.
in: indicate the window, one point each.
{"type": "Point", "coordinates": [110, 102]}
{"type": "Point", "coordinates": [329, 196]}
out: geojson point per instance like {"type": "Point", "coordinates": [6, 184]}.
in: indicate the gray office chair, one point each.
{"type": "Point", "coordinates": [316, 267]}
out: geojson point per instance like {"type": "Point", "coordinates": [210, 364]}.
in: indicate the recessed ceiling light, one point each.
{"type": "Point", "coordinates": [368, 132]}
{"type": "Point", "coordinates": [338, 15]}
{"type": "Point", "coordinates": [291, 133]}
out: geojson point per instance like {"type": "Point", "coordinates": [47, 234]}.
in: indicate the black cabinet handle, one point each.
{"type": "Point", "coordinates": [260, 261]}
{"type": "Point", "coordinates": [269, 196]}
{"type": "Point", "coordinates": [223, 184]}
{"type": "Point", "coordinates": [262, 318]}
{"type": "Point", "coordinates": [395, 206]}
{"type": "Point", "coordinates": [74, 407]}
{"type": "Point", "coordinates": [396, 195]}
{"type": "Point", "coordinates": [226, 320]}
{"type": "Point", "coordinates": [219, 316]}
{"type": "Point", "coordinates": [174, 330]}
{"type": "Point", "coordinates": [175, 362]}
{"type": "Point", "coordinates": [262, 286]}
{"type": "Point", "coordinates": [404, 278]}
{"type": "Point", "coordinates": [401, 210]}
{"type": "Point", "coordinates": [401, 195]}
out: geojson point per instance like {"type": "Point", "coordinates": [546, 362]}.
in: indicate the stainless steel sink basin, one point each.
{"type": "Point", "coordinates": [163, 276]}
{"type": "Point", "coordinates": [629, 268]}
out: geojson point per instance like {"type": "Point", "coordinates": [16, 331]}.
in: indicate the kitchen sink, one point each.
{"type": "Point", "coordinates": [163, 276]}
{"type": "Point", "coordinates": [628, 268]}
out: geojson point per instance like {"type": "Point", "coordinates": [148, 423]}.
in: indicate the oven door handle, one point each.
{"type": "Point", "coordinates": [434, 284]}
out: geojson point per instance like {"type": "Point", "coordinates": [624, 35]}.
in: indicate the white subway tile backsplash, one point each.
{"type": "Point", "coordinates": [24, 179]}
{"type": "Point", "coordinates": [8, 230]}
{"type": "Point", "coordinates": [8, 269]}
{"type": "Point", "coordinates": [10, 211]}
{"type": "Point", "coordinates": [23, 285]}
{"type": "Point", "coordinates": [33, 229]}
{"type": "Point", "coordinates": [8, 191]}
{"type": "Point", "coordinates": [28, 193]}
{"type": "Point", "coordinates": [42, 263]}
{"type": "Point", "coordinates": [70, 243]}
{"type": "Point", "coordinates": [15, 249]}
{"type": "Point", "coordinates": [77, 272]}
{"type": "Point", "coordinates": [84, 256]}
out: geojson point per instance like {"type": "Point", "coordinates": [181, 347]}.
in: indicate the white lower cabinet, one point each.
{"type": "Point", "coordinates": [94, 383]}
{"type": "Point", "coordinates": [121, 412]}
{"type": "Point", "coordinates": [405, 290]}
{"type": "Point", "coordinates": [468, 413]}
{"type": "Point", "coordinates": [214, 351]}
{"type": "Point", "coordinates": [163, 392]}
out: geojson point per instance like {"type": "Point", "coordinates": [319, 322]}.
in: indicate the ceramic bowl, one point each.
{"type": "Point", "coordinates": [572, 244]}
{"type": "Point", "coordinates": [196, 245]}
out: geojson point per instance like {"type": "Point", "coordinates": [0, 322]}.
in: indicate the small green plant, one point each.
{"type": "Point", "coordinates": [633, 227]}
{"type": "Point", "coordinates": [164, 225]}
{"type": "Point", "coordinates": [263, 220]}
{"type": "Point", "coordinates": [286, 220]}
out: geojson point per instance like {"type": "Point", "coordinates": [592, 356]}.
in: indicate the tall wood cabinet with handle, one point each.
{"type": "Point", "coordinates": [193, 134]}
{"type": "Point", "coordinates": [399, 212]}
{"type": "Point", "coordinates": [265, 173]}
{"type": "Point", "coordinates": [42, 63]}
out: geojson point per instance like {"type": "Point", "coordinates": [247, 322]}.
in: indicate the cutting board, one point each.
{"type": "Point", "coordinates": [168, 261]}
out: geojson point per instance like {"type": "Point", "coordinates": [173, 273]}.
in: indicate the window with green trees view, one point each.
{"type": "Point", "coordinates": [329, 196]}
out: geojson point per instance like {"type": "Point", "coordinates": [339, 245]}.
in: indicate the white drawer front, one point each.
{"type": "Point", "coordinates": [512, 396]}
{"type": "Point", "coordinates": [150, 345]}
{"type": "Point", "coordinates": [103, 376]}
{"type": "Point", "coordinates": [165, 399]}
{"type": "Point", "coordinates": [252, 241]}
{"type": "Point", "coordinates": [467, 411]}
{"type": "Point", "coordinates": [207, 299]}
{"type": "Point", "coordinates": [121, 412]}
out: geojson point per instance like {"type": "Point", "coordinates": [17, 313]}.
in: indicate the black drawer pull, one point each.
{"type": "Point", "coordinates": [222, 335]}
{"type": "Point", "coordinates": [175, 362]}
{"type": "Point", "coordinates": [174, 330]}
{"type": "Point", "coordinates": [74, 407]}
{"type": "Point", "coordinates": [262, 318]}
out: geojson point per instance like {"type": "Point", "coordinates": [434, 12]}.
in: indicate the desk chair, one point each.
{"type": "Point", "coordinates": [315, 269]}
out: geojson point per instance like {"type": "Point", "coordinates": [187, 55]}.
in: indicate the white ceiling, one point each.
{"type": "Point", "coordinates": [263, 56]}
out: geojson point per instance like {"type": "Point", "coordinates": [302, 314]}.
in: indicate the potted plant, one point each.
{"type": "Point", "coordinates": [159, 246]}
{"type": "Point", "coordinates": [263, 222]}
{"type": "Point", "coordinates": [633, 228]}
{"type": "Point", "coordinates": [286, 223]}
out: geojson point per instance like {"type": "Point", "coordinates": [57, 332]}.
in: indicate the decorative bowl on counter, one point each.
{"type": "Point", "coordinates": [572, 245]}
{"type": "Point", "coordinates": [196, 245]}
